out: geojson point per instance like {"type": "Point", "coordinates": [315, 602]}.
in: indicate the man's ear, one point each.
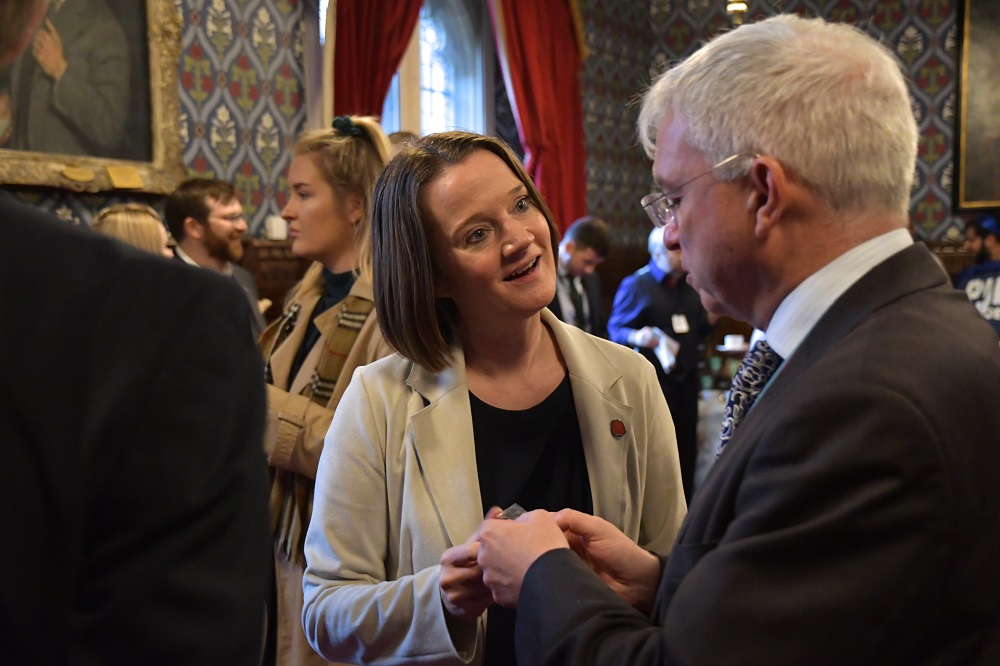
{"type": "Point", "coordinates": [769, 198]}
{"type": "Point", "coordinates": [193, 228]}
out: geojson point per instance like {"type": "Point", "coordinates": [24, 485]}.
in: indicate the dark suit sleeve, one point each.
{"type": "Point", "coordinates": [176, 565]}
{"type": "Point", "coordinates": [595, 300]}
{"type": "Point", "coordinates": [836, 524]}
{"type": "Point", "coordinates": [567, 615]}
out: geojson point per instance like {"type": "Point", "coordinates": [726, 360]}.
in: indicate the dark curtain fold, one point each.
{"type": "Point", "coordinates": [371, 40]}
{"type": "Point", "coordinates": [540, 59]}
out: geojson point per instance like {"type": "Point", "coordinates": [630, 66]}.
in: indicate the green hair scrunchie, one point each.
{"type": "Point", "coordinates": [346, 127]}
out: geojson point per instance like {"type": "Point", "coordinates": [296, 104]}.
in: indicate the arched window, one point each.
{"type": "Point", "coordinates": [446, 79]}
{"type": "Point", "coordinates": [451, 69]}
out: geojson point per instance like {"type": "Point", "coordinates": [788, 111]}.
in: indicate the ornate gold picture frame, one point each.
{"type": "Point", "coordinates": [977, 154]}
{"type": "Point", "coordinates": [147, 153]}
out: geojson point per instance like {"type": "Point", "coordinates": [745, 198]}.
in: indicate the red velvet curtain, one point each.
{"type": "Point", "coordinates": [371, 39]}
{"type": "Point", "coordinates": [540, 58]}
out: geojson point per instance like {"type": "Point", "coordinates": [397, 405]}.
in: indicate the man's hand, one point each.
{"type": "Point", "coordinates": [508, 548]}
{"type": "Point", "coordinates": [463, 592]}
{"type": "Point", "coordinates": [633, 573]}
{"type": "Point", "coordinates": [645, 337]}
{"type": "Point", "coordinates": [48, 50]}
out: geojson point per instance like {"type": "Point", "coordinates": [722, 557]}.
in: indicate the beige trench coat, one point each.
{"type": "Point", "coordinates": [397, 485]}
{"type": "Point", "coordinates": [296, 427]}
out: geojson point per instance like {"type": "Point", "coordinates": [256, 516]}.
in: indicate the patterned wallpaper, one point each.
{"type": "Point", "coordinates": [242, 87]}
{"type": "Point", "coordinates": [631, 42]}
{"type": "Point", "coordinates": [241, 99]}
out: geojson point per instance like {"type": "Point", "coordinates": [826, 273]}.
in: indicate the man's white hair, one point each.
{"type": "Point", "coordinates": [824, 99]}
{"type": "Point", "coordinates": [654, 243]}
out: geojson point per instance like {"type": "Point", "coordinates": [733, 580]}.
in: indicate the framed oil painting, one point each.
{"type": "Point", "coordinates": [977, 158]}
{"type": "Point", "coordinates": [92, 105]}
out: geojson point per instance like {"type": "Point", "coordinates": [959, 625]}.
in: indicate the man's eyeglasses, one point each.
{"type": "Point", "coordinates": [662, 209]}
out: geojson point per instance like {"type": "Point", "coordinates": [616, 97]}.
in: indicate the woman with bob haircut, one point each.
{"type": "Point", "coordinates": [136, 224]}
{"type": "Point", "coordinates": [490, 401]}
{"type": "Point", "coordinates": [328, 329]}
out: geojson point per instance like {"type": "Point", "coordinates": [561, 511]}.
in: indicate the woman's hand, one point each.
{"type": "Point", "coordinates": [463, 592]}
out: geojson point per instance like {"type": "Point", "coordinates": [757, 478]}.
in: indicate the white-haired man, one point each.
{"type": "Point", "coordinates": [852, 515]}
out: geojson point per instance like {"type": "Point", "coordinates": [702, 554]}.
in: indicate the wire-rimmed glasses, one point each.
{"type": "Point", "coordinates": [662, 209]}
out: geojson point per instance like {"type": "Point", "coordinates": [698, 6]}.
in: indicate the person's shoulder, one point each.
{"type": "Point", "coordinates": [643, 276]}
{"type": "Point", "coordinates": [77, 264]}
{"type": "Point", "coordinates": [975, 271]}
{"type": "Point", "coordinates": [625, 358]}
{"type": "Point", "coordinates": [241, 272]}
{"type": "Point", "coordinates": [392, 368]}
{"type": "Point", "coordinates": [612, 352]}
{"type": "Point", "coordinates": [246, 279]}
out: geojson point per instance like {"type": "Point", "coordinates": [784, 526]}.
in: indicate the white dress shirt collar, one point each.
{"type": "Point", "coordinates": [808, 302]}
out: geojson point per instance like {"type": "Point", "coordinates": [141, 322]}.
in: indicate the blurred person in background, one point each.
{"type": "Point", "coordinates": [578, 300]}
{"type": "Point", "coordinates": [327, 330]}
{"type": "Point", "coordinates": [206, 220]}
{"type": "Point", "coordinates": [137, 224]}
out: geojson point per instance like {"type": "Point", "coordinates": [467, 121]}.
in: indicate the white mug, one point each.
{"type": "Point", "coordinates": [275, 227]}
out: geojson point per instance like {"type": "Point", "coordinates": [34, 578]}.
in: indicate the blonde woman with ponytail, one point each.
{"type": "Point", "coordinates": [328, 329]}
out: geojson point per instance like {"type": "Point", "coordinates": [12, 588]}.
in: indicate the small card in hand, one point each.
{"type": "Point", "coordinates": [512, 512]}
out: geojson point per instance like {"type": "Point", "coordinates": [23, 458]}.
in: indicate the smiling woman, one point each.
{"type": "Point", "coordinates": [491, 401]}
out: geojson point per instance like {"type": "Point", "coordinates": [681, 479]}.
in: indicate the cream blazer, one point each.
{"type": "Point", "coordinates": [397, 485]}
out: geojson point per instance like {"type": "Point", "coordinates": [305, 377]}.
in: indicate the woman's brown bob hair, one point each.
{"type": "Point", "coordinates": [414, 322]}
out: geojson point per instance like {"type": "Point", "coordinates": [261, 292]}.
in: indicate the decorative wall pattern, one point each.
{"type": "Point", "coordinates": [241, 95]}
{"type": "Point", "coordinates": [620, 37]}
{"type": "Point", "coordinates": [631, 42]}
{"type": "Point", "coordinates": [242, 89]}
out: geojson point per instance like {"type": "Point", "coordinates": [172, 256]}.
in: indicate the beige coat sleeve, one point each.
{"type": "Point", "coordinates": [371, 586]}
{"type": "Point", "coordinates": [296, 426]}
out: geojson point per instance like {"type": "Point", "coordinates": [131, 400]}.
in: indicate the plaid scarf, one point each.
{"type": "Point", "coordinates": [292, 493]}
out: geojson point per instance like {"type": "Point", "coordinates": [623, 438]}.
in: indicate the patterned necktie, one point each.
{"type": "Point", "coordinates": [577, 299]}
{"type": "Point", "coordinates": [757, 368]}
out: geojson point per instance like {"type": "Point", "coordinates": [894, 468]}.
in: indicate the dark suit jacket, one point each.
{"type": "Point", "coordinates": [245, 279]}
{"type": "Point", "coordinates": [592, 290]}
{"type": "Point", "coordinates": [248, 286]}
{"type": "Point", "coordinates": [854, 518]}
{"type": "Point", "coordinates": [133, 488]}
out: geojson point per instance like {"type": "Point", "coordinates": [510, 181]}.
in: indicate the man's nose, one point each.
{"type": "Point", "coordinates": [670, 238]}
